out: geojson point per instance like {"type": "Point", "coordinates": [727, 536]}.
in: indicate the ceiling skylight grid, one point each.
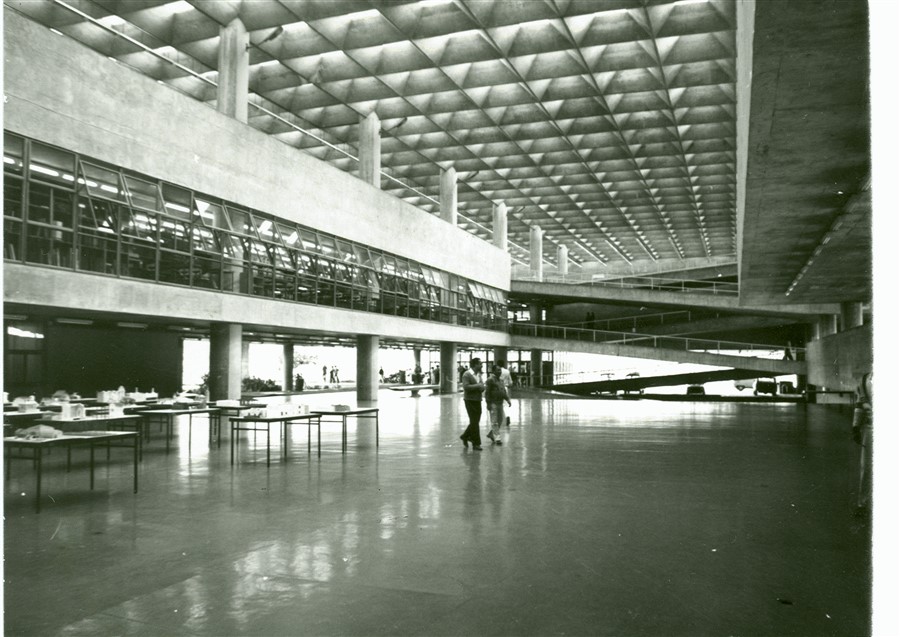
{"type": "Point", "coordinates": [610, 123]}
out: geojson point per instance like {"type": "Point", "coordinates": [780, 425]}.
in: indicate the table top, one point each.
{"type": "Point", "coordinates": [237, 407]}
{"type": "Point", "coordinates": [73, 421]}
{"type": "Point", "coordinates": [83, 436]}
{"type": "Point", "coordinates": [275, 418]}
{"type": "Point", "coordinates": [178, 412]}
{"type": "Point", "coordinates": [14, 415]}
{"type": "Point", "coordinates": [342, 412]}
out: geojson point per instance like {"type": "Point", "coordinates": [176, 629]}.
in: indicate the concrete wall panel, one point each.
{"type": "Point", "coordinates": [837, 362]}
{"type": "Point", "coordinates": [61, 92]}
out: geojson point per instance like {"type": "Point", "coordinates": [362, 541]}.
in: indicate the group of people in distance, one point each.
{"type": "Point", "coordinates": [496, 392]}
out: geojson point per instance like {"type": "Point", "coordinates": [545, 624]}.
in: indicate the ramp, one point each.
{"type": "Point", "coordinates": [636, 383]}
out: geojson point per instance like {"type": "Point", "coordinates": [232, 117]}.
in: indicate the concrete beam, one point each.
{"type": "Point", "coordinates": [132, 300]}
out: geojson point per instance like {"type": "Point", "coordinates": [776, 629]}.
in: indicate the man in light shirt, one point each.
{"type": "Point", "coordinates": [506, 379]}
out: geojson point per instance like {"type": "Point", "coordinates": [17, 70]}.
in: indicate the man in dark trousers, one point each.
{"type": "Point", "coordinates": [473, 388]}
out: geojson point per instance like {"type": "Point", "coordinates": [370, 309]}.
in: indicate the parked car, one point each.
{"type": "Point", "coordinates": [696, 390]}
{"type": "Point", "coordinates": [787, 387]}
{"type": "Point", "coordinates": [765, 386]}
{"type": "Point", "coordinates": [744, 383]}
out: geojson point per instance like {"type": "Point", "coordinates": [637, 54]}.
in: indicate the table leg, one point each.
{"type": "Point", "coordinates": [91, 445]}
{"type": "Point", "coordinates": [308, 437]}
{"type": "Point", "coordinates": [343, 433]}
{"type": "Point", "coordinates": [376, 430]}
{"type": "Point", "coordinates": [40, 471]}
{"type": "Point", "coordinates": [137, 453]}
{"type": "Point", "coordinates": [319, 435]}
{"type": "Point", "coordinates": [233, 441]}
{"type": "Point", "coordinates": [169, 430]}
{"type": "Point", "coordinates": [268, 443]}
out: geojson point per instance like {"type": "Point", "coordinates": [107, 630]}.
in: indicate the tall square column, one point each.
{"type": "Point", "coordinates": [537, 253]}
{"type": "Point", "coordinates": [225, 361]}
{"type": "Point", "coordinates": [562, 258]}
{"type": "Point", "coordinates": [449, 381]}
{"type": "Point", "coordinates": [288, 363]}
{"type": "Point", "coordinates": [500, 225]}
{"type": "Point", "coordinates": [234, 70]}
{"type": "Point", "coordinates": [367, 368]}
{"type": "Point", "coordinates": [537, 367]}
{"type": "Point", "coordinates": [370, 150]}
{"type": "Point", "coordinates": [851, 315]}
{"type": "Point", "coordinates": [448, 195]}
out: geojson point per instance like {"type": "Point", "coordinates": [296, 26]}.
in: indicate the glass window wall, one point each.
{"type": "Point", "coordinates": [67, 211]}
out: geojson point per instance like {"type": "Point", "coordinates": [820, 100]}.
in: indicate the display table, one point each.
{"type": "Point", "coordinates": [284, 421]}
{"type": "Point", "coordinates": [359, 412]}
{"type": "Point", "coordinates": [231, 411]}
{"type": "Point", "coordinates": [84, 438]}
{"type": "Point", "coordinates": [110, 423]}
{"type": "Point", "coordinates": [167, 418]}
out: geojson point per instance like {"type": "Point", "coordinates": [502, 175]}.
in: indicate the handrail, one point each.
{"type": "Point", "coordinates": [646, 340]}
{"type": "Point", "coordinates": [634, 319]}
{"type": "Point", "coordinates": [654, 283]}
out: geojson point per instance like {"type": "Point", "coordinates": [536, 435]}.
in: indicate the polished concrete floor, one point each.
{"type": "Point", "coordinates": [595, 518]}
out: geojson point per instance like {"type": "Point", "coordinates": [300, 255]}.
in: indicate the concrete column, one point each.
{"type": "Point", "coordinates": [500, 225]}
{"type": "Point", "coordinates": [367, 368]}
{"type": "Point", "coordinates": [536, 367]}
{"type": "Point", "coordinates": [245, 359]}
{"type": "Point", "coordinates": [448, 195]}
{"type": "Point", "coordinates": [417, 361]}
{"type": "Point", "coordinates": [234, 65]}
{"type": "Point", "coordinates": [288, 349]}
{"type": "Point", "coordinates": [826, 325]}
{"type": "Point", "coordinates": [448, 368]}
{"type": "Point", "coordinates": [562, 256]}
{"type": "Point", "coordinates": [501, 354]}
{"type": "Point", "coordinates": [537, 313]}
{"type": "Point", "coordinates": [225, 361]}
{"type": "Point", "coordinates": [851, 315]}
{"type": "Point", "coordinates": [370, 150]}
{"type": "Point", "coordinates": [537, 252]}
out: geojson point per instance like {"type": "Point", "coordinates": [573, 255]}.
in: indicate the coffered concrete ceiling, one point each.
{"type": "Point", "coordinates": [611, 124]}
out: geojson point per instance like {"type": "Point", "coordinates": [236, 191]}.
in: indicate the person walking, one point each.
{"type": "Point", "coordinates": [381, 373]}
{"type": "Point", "coordinates": [473, 388]}
{"type": "Point", "coordinates": [495, 395]}
{"type": "Point", "coordinates": [507, 380]}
